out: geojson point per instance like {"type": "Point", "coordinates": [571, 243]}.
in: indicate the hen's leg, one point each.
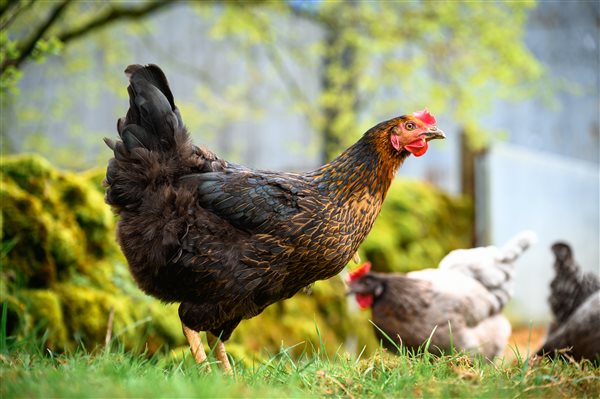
{"type": "Point", "coordinates": [219, 351]}
{"type": "Point", "coordinates": [195, 342]}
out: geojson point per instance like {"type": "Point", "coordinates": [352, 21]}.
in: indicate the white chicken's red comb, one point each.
{"type": "Point", "coordinates": [425, 117]}
{"type": "Point", "coordinates": [359, 272]}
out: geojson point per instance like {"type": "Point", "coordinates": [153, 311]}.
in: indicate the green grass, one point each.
{"type": "Point", "coordinates": [28, 370]}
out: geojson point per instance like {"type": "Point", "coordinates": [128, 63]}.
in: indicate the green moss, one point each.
{"type": "Point", "coordinates": [86, 312]}
{"type": "Point", "coordinates": [66, 249]}
{"type": "Point", "coordinates": [44, 311]}
{"type": "Point", "coordinates": [95, 177]}
{"type": "Point", "coordinates": [417, 226]}
{"type": "Point", "coordinates": [59, 219]}
{"type": "Point", "coordinates": [137, 322]}
{"type": "Point", "coordinates": [165, 327]}
{"type": "Point", "coordinates": [29, 227]}
{"type": "Point", "coordinates": [16, 320]}
{"type": "Point", "coordinates": [295, 322]}
{"type": "Point", "coordinates": [94, 218]}
{"type": "Point", "coordinates": [30, 172]}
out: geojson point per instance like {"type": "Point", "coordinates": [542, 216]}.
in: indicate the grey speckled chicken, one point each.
{"type": "Point", "coordinates": [575, 304]}
{"type": "Point", "coordinates": [464, 295]}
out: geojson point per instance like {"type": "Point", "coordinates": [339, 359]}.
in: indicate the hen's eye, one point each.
{"type": "Point", "coordinates": [409, 126]}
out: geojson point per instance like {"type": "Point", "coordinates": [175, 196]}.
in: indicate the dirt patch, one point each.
{"type": "Point", "coordinates": [524, 340]}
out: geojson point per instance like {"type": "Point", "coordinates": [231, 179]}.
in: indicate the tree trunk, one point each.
{"type": "Point", "coordinates": [469, 187]}
{"type": "Point", "coordinates": [467, 180]}
{"type": "Point", "coordinates": [345, 55]}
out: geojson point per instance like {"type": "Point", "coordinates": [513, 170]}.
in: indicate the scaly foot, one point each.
{"type": "Point", "coordinates": [196, 345]}
{"type": "Point", "coordinates": [219, 351]}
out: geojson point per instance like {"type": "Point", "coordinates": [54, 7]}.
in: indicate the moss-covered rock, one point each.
{"type": "Point", "coordinates": [16, 314]}
{"type": "Point", "coordinates": [303, 321]}
{"type": "Point", "coordinates": [45, 315]}
{"type": "Point", "coordinates": [30, 172]}
{"type": "Point", "coordinates": [58, 220]}
{"type": "Point", "coordinates": [29, 228]}
{"type": "Point", "coordinates": [62, 271]}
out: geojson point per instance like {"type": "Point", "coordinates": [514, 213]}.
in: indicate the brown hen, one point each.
{"type": "Point", "coordinates": [227, 241]}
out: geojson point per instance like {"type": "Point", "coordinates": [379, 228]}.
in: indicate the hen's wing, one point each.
{"type": "Point", "coordinates": [457, 296]}
{"type": "Point", "coordinates": [252, 201]}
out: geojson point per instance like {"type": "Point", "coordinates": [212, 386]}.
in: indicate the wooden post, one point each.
{"type": "Point", "coordinates": [468, 158]}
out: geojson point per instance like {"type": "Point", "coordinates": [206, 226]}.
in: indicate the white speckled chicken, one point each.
{"type": "Point", "coordinates": [461, 299]}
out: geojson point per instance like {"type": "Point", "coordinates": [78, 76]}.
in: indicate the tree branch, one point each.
{"type": "Point", "coordinates": [28, 46]}
{"type": "Point", "coordinates": [113, 14]}
{"type": "Point", "coordinates": [6, 6]}
{"type": "Point", "coordinates": [19, 7]}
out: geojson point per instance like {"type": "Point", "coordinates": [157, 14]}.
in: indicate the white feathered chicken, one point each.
{"type": "Point", "coordinates": [461, 299]}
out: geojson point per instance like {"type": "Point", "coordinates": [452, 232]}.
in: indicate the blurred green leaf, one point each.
{"type": "Point", "coordinates": [371, 61]}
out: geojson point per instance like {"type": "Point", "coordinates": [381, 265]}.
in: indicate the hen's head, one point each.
{"type": "Point", "coordinates": [411, 133]}
{"type": "Point", "coordinates": [364, 285]}
{"type": "Point", "coordinates": [563, 257]}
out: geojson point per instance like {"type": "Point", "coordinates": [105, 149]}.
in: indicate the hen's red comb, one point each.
{"type": "Point", "coordinates": [425, 117]}
{"type": "Point", "coordinates": [359, 271]}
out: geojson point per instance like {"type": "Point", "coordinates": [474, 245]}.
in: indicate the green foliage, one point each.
{"type": "Point", "coordinates": [58, 221]}
{"type": "Point", "coordinates": [62, 272]}
{"type": "Point", "coordinates": [417, 227]}
{"type": "Point", "coordinates": [44, 307]}
{"type": "Point", "coordinates": [372, 60]}
{"type": "Point", "coordinates": [11, 75]}
{"type": "Point", "coordinates": [138, 321]}
{"type": "Point", "coordinates": [384, 58]}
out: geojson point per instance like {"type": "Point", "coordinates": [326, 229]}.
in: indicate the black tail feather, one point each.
{"type": "Point", "coordinates": [154, 149]}
{"type": "Point", "coordinates": [154, 146]}
{"type": "Point", "coordinates": [152, 74]}
{"type": "Point", "coordinates": [152, 116]}
{"type": "Point", "coordinates": [136, 136]}
{"type": "Point", "coordinates": [570, 286]}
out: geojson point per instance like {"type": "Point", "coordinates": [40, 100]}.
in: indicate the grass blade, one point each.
{"type": "Point", "coordinates": [3, 321]}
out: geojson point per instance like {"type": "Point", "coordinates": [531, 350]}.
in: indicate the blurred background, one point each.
{"type": "Point", "coordinates": [287, 85]}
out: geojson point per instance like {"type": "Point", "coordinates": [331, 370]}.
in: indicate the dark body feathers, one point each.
{"type": "Point", "coordinates": [570, 286]}
{"type": "Point", "coordinates": [224, 240]}
{"type": "Point", "coordinates": [575, 304]}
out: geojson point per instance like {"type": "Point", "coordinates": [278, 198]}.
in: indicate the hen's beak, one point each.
{"type": "Point", "coordinates": [433, 133]}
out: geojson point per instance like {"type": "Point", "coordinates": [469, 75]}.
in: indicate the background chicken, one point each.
{"type": "Point", "coordinates": [575, 304]}
{"type": "Point", "coordinates": [468, 290]}
{"type": "Point", "coordinates": [227, 241]}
